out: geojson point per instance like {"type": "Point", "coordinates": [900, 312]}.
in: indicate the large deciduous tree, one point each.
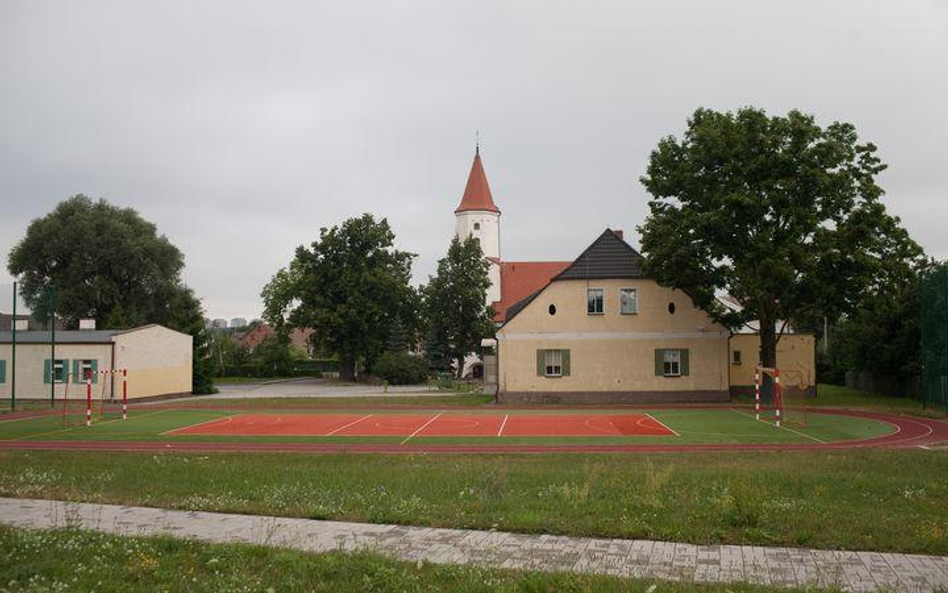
{"type": "Point", "coordinates": [455, 303]}
{"type": "Point", "coordinates": [782, 214]}
{"type": "Point", "coordinates": [351, 286]}
{"type": "Point", "coordinates": [106, 263]}
{"type": "Point", "coordinates": [109, 264]}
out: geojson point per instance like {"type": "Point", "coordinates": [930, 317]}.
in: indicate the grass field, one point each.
{"type": "Point", "coordinates": [73, 560]}
{"type": "Point", "coordinates": [853, 499]}
{"type": "Point", "coordinates": [691, 426]}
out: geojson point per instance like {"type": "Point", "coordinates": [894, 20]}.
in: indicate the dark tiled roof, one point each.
{"type": "Point", "coordinates": [608, 257]}
{"type": "Point", "coordinates": [89, 336]}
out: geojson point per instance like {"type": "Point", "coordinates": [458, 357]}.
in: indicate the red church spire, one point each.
{"type": "Point", "coordinates": [477, 192]}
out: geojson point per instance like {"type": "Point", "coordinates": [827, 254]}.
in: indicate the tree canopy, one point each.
{"type": "Point", "coordinates": [455, 304]}
{"type": "Point", "coordinates": [109, 264]}
{"type": "Point", "coordinates": [778, 212]}
{"type": "Point", "coordinates": [351, 286]}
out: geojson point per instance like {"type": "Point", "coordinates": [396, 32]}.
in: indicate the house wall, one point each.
{"type": "Point", "coordinates": [796, 359]}
{"type": "Point", "coordinates": [158, 361]}
{"type": "Point", "coordinates": [30, 368]}
{"type": "Point", "coordinates": [612, 356]}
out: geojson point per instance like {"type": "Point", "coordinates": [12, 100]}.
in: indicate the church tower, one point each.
{"type": "Point", "coordinates": [477, 216]}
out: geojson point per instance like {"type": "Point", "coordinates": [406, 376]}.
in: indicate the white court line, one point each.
{"type": "Point", "coordinates": [781, 427]}
{"type": "Point", "coordinates": [330, 433]}
{"type": "Point", "coordinates": [503, 424]}
{"type": "Point", "coordinates": [422, 427]}
{"type": "Point", "coordinates": [667, 427]}
{"type": "Point", "coordinates": [226, 420]}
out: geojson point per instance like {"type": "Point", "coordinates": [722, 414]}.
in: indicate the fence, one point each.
{"type": "Point", "coordinates": [933, 294]}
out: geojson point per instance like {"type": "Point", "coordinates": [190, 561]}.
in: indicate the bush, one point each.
{"type": "Point", "coordinates": [400, 368]}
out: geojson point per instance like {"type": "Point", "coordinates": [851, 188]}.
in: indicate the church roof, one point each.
{"type": "Point", "coordinates": [477, 192]}
{"type": "Point", "coordinates": [519, 280]}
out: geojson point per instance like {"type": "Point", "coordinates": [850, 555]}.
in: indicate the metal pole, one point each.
{"type": "Point", "coordinates": [52, 345]}
{"type": "Point", "coordinates": [13, 355]}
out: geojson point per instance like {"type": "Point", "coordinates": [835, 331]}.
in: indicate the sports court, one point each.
{"type": "Point", "coordinates": [441, 424]}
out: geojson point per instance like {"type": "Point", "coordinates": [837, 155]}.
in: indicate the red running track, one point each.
{"type": "Point", "coordinates": [910, 432]}
{"type": "Point", "coordinates": [430, 425]}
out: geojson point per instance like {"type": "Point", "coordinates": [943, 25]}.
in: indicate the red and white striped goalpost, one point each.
{"type": "Point", "coordinates": [778, 392]}
{"type": "Point", "coordinates": [124, 394]}
{"type": "Point", "coordinates": [89, 398]}
{"type": "Point", "coordinates": [105, 375]}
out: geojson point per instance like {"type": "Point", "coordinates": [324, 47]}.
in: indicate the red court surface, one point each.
{"type": "Point", "coordinates": [431, 425]}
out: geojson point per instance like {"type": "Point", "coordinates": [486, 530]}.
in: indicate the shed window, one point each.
{"type": "Point", "coordinates": [736, 357]}
{"type": "Point", "coordinates": [628, 301]}
{"type": "Point", "coordinates": [56, 371]}
{"type": "Point", "coordinates": [594, 301]}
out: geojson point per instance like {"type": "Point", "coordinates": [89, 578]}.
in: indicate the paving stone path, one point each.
{"type": "Point", "coordinates": [853, 571]}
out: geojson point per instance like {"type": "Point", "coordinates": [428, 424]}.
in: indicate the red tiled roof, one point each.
{"type": "Point", "coordinates": [518, 280]}
{"type": "Point", "coordinates": [298, 337]}
{"type": "Point", "coordinates": [477, 192]}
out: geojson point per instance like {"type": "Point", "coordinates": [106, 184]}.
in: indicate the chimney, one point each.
{"type": "Point", "coordinates": [619, 233]}
{"type": "Point", "coordinates": [85, 324]}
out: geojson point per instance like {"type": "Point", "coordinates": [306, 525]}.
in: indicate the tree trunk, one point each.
{"type": "Point", "coordinates": [768, 354]}
{"type": "Point", "coordinates": [347, 369]}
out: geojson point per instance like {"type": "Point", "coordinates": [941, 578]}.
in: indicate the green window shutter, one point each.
{"type": "Point", "coordinates": [95, 371]}
{"type": "Point", "coordinates": [76, 371]}
{"type": "Point", "coordinates": [47, 370]}
{"type": "Point", "coordinates": [565, 359]}
{"type": "Point", "coordinates": [541, 363]}
{"type": "Point", "coordinates": [659, 359]}
{"type": "Point", "coordinates": [684, 362]}
{"type": "Point", "coordinates": [3, 371]}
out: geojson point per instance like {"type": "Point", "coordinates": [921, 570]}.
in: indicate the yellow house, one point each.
{"type": "Point", "coordinates": [157, 360]}
{"type": "Point", "coordinates": [602, 332]}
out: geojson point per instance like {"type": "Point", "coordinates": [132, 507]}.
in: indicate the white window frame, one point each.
{"type": "Point", "coordinates": [553, 363]}
{"type": "Point", "coordinates": [671, 363]}
{"type": "Point", "coordinates": [83, 367]}
{"type": "Point", "coordinates": [602, 301]}
{"type": "Point", "coordinates": [60, 372]}
{"type": "Point", "coordinates": [634, 300]}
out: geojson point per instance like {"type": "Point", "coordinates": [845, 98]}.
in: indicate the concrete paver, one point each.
{"type": "Point", "coordinates": [848, 570]}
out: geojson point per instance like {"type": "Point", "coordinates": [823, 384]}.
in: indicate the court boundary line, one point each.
{"type": "Point", "coordinates": [353, 423]}
{"type": "Point", "coordinates": [502, 425]}
{"type": "Point", "coordinates": [796, 432]}
{"type": "Point", "coordinates": [226, 417]}
{"type": "Point", "coordinates": [662, 424]}
{"type": "Point", "coordinates": [422, 427]}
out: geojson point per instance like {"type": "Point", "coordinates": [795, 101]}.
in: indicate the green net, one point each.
{"type": "Point", "coordinates": [934, 328]}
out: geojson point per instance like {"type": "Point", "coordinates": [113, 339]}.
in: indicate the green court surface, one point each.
{"type": "Point", "coordinates": [695, 426]}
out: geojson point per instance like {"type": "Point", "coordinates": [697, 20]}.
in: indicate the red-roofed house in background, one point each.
{"type": "Point", "coordinates": [298, 337]}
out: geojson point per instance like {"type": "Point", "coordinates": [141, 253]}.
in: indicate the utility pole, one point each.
{"type": "Point", "coordinates": [13, 355]}
{"type": "Point", "coordinates": [52, 344]}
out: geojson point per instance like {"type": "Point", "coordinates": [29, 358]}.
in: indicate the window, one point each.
{"type": "Point", "coordinates": [628, 301]}
{"type": "Point", "coordinates": [477, 226]}
{"type": "Point", "coordinates": [594, 298]}
{"type": "Point", "coordinates": [671, 308]}
{"type": "Point", "coordinates": [56, 370]}
{"type": "Point", "coordinates": [3, 371]}
{"type": "Point", "coordinates": [86, 370]}
{"type": "Point", "coordinates": [552, 309]}
{"type": "Point", "coordinates": [736, 357]}
{"type": "Point", "coordinates": [553, 363]}
{"type": "Point", "coordinates": [671, 363]}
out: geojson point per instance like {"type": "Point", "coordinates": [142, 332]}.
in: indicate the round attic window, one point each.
{"type": "Point", "coordinates": [552, 309]}
{"type": "Point", "coordinates": [671, 308]}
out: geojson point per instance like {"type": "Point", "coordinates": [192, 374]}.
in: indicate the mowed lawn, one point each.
{"type": "Point", "coordinates": [691, 426]}
{"type": "Point", "coordinates": [894, 500]}
{"type": "Point", "coordinates": [74, 560]}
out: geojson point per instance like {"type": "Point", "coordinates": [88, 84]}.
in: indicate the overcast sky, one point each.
{"type": "Point", "coordinates": [241, 128]}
